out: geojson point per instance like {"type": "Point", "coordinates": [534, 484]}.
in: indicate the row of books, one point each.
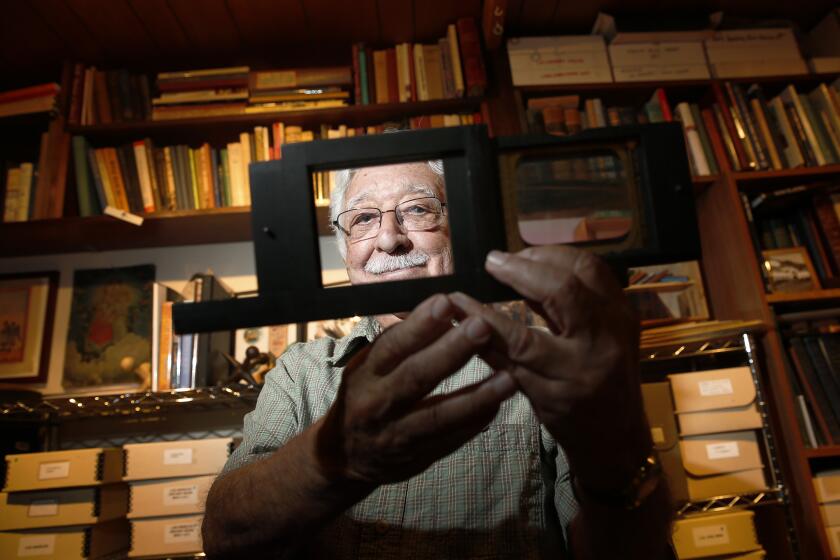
{"type": "Point", "coordinates": [142, 178]}
{"type": "Point", "coordinates": [451, 68]}
{"type": "Point", "coordinates": [33, 99]}
{"type": "Point", "coordinates": [801, 216]}
{"type": "Point", "coordinates": [561, 115]}
{"type": "Point", "coordinates": [35, 190]}
{"type": "Point", "coordinates": [788, 130]}
{"type": "Point", "coordinates": [108, 96]}
{"type": "Point", "coordinates": [813, 355]}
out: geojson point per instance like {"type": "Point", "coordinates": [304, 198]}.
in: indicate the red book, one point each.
{"type": "Point", "coordinates": [357, 83]}
{"type": "Point", "coordinates": [743, 162]}
{"type": "Point", "coordinates": [714, 136]}
{"type": "Point", "coordinates": [29, 92]}
{"type": "Point", "coordinates": [663, 105]}
{"type": "Point", "coordinates": [475, 75]}
{"type": "Point", "coordinates": [393, 83]}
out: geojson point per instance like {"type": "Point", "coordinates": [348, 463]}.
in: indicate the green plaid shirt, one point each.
{"type": "Point", "coordinates": [504, 494]}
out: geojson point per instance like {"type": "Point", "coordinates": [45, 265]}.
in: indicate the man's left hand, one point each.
{"type": "Point", "coordinates": [582, 378]}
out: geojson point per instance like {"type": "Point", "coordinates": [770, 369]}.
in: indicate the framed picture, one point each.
{"type": "Point", "coordinates": [790, 270]}
{"type": "Point", "coordinates": [27, 309]}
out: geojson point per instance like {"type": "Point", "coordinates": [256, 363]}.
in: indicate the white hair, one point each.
{"type": "Point", "coordinates": [343, 178]}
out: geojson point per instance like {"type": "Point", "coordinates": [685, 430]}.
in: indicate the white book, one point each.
{"type": "Point", "coordinates": [455, 55]}
{"type": "Point", "coordinates": [574, 59]}
{"type": "Point", "coordinates": [235, 169]}
{"type": "Point", "coordinates": [25, 190]}
{"type": "Point", "coordinates": [142, 164]}
{"type": "Point", "coordinates": [791, 149]}
{"type": "Point", "coordinates": [245, 188]}
{"type": "Point", "coordinates": [692, 138]}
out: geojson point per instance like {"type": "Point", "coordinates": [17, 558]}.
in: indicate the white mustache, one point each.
{"type": "Point", "coordinates": [382, 263]}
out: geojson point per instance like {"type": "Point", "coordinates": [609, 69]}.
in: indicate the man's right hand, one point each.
{"type": "Point", "coordinates": [383, 426]}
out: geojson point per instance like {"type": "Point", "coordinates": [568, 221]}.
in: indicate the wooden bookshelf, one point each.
{"type": "Point", "coordinates": [826, 451]}
{"type": "Point", "coordinates": [795, 173]}
{"type": "Point", "coordinates": [658, 287]}
{"type": "Point", "coordinates": [814, 295]}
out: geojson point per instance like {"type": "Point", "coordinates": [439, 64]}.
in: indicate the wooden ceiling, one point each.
{"type": "Point", "coordinates": [36, 35]}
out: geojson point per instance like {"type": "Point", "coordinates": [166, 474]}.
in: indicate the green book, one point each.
{"type": "Point", "coordinates": [84, 186]}
{"type": "Point", "coordinates": [225, 177]}
{"type": "Point", "coordinates": [194, 181]}
{"type": "Point", "coordinates": [363, 77]}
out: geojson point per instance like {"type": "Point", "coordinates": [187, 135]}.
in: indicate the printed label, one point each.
{"type": "Point", "coordinates": [43, 508]}
{"type": "Point", "coordinates": [49, 471]}
{"type": "Point", "coordinates": [182, 456]}
{"type": "Point", "coordinates": [726, 450]}
{"type": "Point", "coordinates": [36, 545]}
{"type": "Point", "coordinates": [657, 434]}
{"type": "Point", "coordinates": [180, 495]}
{"type": "Point", "coordinates": [715, 387]}
{"type": "Point", "coordinates": [710, 535]}
{"type": "Point", "coordinates": [181, 533]}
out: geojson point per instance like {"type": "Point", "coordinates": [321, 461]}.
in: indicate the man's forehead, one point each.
{"type": "Point", "coordinates": [393, 180]}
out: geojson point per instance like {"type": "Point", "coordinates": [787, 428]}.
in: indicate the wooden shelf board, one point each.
{"type": "Point", "coordinates": [353, 115]}
{"type": "Point", "coordinates": [814, 295]}
{"type": "Point", "coordinates": [104, 233]}
{"type": "Point", "coordinates": [824, 451]}
{"type": "Point", "coordinates": [745, 176]}
{"type": "Point", "coordinates": [658, 287]}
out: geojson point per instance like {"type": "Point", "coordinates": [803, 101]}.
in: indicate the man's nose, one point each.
{"type": "Point", "coordinates": [391, 237]}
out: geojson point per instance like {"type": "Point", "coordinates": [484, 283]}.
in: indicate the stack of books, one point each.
{"type": "Point", "coordinates": [201, 93]}
{"type": "Point", "coordinates": [451, 68]}
{"type": "Point", "coordinates": [103, 97]}
{"type": "Point", "coordinates": [299, 89]}
{"type": "Point", "coordinates": [34, 99]}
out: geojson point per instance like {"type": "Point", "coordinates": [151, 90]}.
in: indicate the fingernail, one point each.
{"type": "Point", "coordinates": [496, 258]}
{"type": "Point", "coordinates": [441, 308]}
{"type": "Point", "coordinates": [477, 329]}
{"type": "Point", "coordinates": [502, 382]}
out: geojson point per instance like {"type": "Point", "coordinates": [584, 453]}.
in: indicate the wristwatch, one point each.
{"type": "Point", "coordinates": [644, 482]}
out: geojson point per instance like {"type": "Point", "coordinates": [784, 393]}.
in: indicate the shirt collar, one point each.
{"type": "Point", "coordinates": [362, 334]}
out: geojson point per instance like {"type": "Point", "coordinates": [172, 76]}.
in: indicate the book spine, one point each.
{"type": "Point", "coordinates": [380, 70]}
{"type": "Point", "coordinates": [83, 180]}
{"type": "Point", "coordinates": [704, 139]}
{"type": "Point", "coordinates": [805, 123]}
{"type": "Point", "coordinates": [798, 129]}
{"type": "Point", "coordinates": [692, 137]}
{"type": "Point", "coordinates": [455, 57]}
{"type": "Point", "coordinates": [420, 72]}
{"type": "Point", "coordinates": [116, 179]}
{"type": "Point", "coordinates": [393, 76]}
{"type": "Point", "coordinates": [790, 147]}
{"type": "Point", "coordinates": [715, 139]}
{"type": "Point", "coordinates": [75, 114]}
{"type": "Point", "coordinates": [58, 174]}
{"type": "Point", "coordinates": [363, 75]}
{"type": "Point", "coordinates": [764, 131]}
{"type": "Point", "coordinates": [753, 136]}
{"type": "Point", "coordinates": [830, 227]}
{"type": "Point", "coordinates": [729, 126]}
{"type": "Point", "coordinates": [101, 195]}
{"type": "Point", "coordinates": [446, 70]}
{"type": "Point", "coordinates": [357, 81]}
{"type": "Point", "coordinates": [813, 390]}
{"type": "Point", "coordinates": [143, 176]}
{"type": "Point", "coordinates": [154, 175]}
{"type": "Point", "coordinates": [817, 125]}
{"type": "Point", "coordinates": [475, 75]}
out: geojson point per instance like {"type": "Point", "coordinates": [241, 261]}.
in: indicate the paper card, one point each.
{"type": "Point", "coordinates": [180, 495]}
{"type": "Point", "coordinates": [657, 434]}
{"type": "Point", "coordinates": [725, 450]}
{"type": "Point", "coordinates": [710, 535]}
{"type": "Point", "coordinates": [180, 456]}
{"type": "Point", "coordinates": [715, 387]}
{"type": "Point", "coordinates": [36, 545]}
{"type": "Point", "coordinates": [181, 532]}
{"type": "Point", "coordinates": [49, 471]}
{"type": "Point", "coordinates": [43, 508]}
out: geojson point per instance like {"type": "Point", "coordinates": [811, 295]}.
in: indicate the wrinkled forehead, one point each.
{"type": "Point", "coordinates": [388, 183]}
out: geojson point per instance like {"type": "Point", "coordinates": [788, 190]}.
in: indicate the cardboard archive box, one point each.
{"type": "Point", "coordinates": [722, 465]}
{"type": "Point", "coordinates": [64, 507]}
{"type": "Point", "coordinates": [833, 534]}
{"type": "Point", "coordinates": [172, 496]}
{"type": "Point", "coordinates": [715, 401]}
{"type": "Point", "coordinates": [709, 535]}
{"type": "Point", "coordinates": [63, 469]}
{"type": "Point", "coordinates": [162, 536]}
{"type": "Point", "coordinates": [172, 459]}
{"type": "Point", "coordinates": [830, 514]}
{"type": "Point", "coordinates": [67, 543]}
{"type": "Point", "coordinates": [659, 409]}
{"type": "Point", "coordinates": [827, 486]}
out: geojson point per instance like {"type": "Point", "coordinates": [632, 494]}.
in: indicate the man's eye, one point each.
{"type": "Point", "coordinates": [364, 219]}
{"type": "Point", "coordinates": [417, 210]}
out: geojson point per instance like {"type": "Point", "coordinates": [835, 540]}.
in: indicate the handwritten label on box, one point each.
{"type": "Point", "coordinates": [715, 387]}
{"type": "Point", "coordinates": [180, 456]}
{"type": "Point", "coordinates": [36, 545]}
{"type": "Point", "coordinates": [710, 535]}
{"type": "Point", "coordinates": [181, 532]}
{"type": "Point", "coordinates": [50, 471]}
{"type": "Point", "coordinates": [180, 495]}
{"type": "Point", "coordinates": [43, 508]}
{"type": "Point", "coordinates": [725, 450]}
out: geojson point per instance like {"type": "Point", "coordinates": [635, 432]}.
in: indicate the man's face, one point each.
{"type": "Point", "coordinates": [393, 253]}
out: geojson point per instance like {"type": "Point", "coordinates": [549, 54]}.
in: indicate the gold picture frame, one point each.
{"type": "Point", "coordinates": [27, 310]}
{"type": "Point", "coordinates": [790, 270]}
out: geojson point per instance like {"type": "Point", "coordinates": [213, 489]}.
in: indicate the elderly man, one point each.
{"type": "Point", "coordinates": [456, 432]}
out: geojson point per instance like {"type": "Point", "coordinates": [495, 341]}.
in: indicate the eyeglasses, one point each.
{"type": "Point", "coordinates": [417, 214]}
